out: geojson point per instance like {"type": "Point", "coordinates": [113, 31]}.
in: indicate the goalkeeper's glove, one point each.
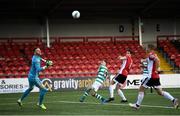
{"type": "Point", "coordinates": [44, 67]}
{"type": "Point", "coordinates": [49, 63]}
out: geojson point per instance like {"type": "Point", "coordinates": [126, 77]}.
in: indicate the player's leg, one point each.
{"type": "Point", "coordinates": [86, 93]}
{"type": "Point", "coordinates": [140, 95]}
{"type": "Point", "coordinates": [140, 98]}
{"type": "Point", "coordinates": [120, 80]}
{"type": "Point", "coordinates": [43, 91]}
{"type": "Point", "coordinates": [112, 86]}
{"type": "Point", "coordinates": [97, 96]}
{"type": "Point", "coordinates": [95, 87]}
{"type": "Point", "coordinates": [168, 96]}
{"type": "Point", "coordinates": [26, 93]}
{"type": "Point", "coordinates": [121, 94]}
{"type": "Point", "coordinates": [165, 94]}
{"type": "Point", "coordinates": [145, 82]}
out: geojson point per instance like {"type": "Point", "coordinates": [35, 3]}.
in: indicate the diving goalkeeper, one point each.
{"type": "Point", "coordinates": [34, 79]}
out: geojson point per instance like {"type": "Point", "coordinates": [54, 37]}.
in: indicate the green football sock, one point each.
{"type": "Point", "coordinates": [99, 97]}
{"type": "Point", "coordinates": [86, 93]}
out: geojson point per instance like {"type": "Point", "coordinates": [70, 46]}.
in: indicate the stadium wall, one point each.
{"type": "Point", "coordinates": [90, 28]}
{"type": "Point", "coordinates": [154, 27]}
{"type": "Point", "coordinates": [35, 28]}
{"type": "Point", "coordinates": [177, 26]}
{"type": "Point", "coordinates": [16, 85]}
{"type": "Point", "coordinates": [21, 28]}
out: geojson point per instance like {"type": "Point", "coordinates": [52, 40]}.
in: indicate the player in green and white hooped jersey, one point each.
{"type": "Point", "coordinates": [101, 77]}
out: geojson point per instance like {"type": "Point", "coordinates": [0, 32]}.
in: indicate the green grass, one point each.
{"type": "Point", "coordinates": [67, 103]}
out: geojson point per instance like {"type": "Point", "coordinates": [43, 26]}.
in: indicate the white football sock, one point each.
{"type": "Point", "coordinates": [120, 93]}
{"type": "Point", "coordinates": [168, 95]}
{"type": "Point", "coordinates": [111, 91]}
{"type": "Point", "coordinates": [140, 98]}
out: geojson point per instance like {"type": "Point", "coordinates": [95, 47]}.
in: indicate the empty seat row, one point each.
{"type": "Point", "coordinates": [71, 59]}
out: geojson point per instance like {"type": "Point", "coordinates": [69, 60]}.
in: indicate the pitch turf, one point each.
{"type": "Point", "coordinates": [67, 103]}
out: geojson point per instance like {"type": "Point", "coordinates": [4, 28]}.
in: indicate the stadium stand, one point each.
{"type": "Point", "coordinates": [71, 59]}
{"type": "Point", "coordinates": [170, 51]}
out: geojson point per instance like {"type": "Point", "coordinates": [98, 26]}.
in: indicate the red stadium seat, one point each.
{"type": "Point", "coordinates": [72, 58]}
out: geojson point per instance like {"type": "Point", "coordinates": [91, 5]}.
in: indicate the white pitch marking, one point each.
{"type": "Point", "coordinates": [6, 98]}
{"type": "Point", "coordinates": [114, 104]}
{"type": "Point", "coordinates": [93, 103]}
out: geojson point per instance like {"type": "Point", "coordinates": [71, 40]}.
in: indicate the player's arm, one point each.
{"type": "Point", "coordinates": [107, 74]}
{"type": "Point", "coordinates": [43, 60]}
{"type": "Point", "coordinates": [38, 67]}
{"type": "Point", "coordinates": [48, 62]}
{"type": "Point", "coordinates": [157, 64]}
{"type": "Point", "coordinates": [143, 63]}
{"type": "Point", "coordinates": [122, 57]}
{"type": "Point", "coordinates": [143, 60]}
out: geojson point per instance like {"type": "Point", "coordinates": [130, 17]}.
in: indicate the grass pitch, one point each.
{"type": "Point", "coordinates": [67, 103]}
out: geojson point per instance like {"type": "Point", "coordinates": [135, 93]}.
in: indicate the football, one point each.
{"type": "Point", "coordinates": [75, 14]}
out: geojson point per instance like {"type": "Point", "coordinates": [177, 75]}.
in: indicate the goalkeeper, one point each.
{"type": "Point", "coordinates": [101, 77]}
{"type": "Point", "coordinates": [34, 79]}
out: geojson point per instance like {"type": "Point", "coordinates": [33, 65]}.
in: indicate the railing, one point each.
{"type": "Point", "coordinates": [61, 39]}
{"type": "Point", "coordinates": [95, 38]}
{"type": "Point", "coordinates": [165, 54]}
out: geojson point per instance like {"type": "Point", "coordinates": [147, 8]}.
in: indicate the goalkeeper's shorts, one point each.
{"type": "Point", "coordinates": [35, 82]}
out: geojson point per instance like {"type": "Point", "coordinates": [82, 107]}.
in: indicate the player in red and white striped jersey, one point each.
{"type": "Point", "coordinates": [120, 78]}
{"type": "Point", "coordinates": [151, 79]}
